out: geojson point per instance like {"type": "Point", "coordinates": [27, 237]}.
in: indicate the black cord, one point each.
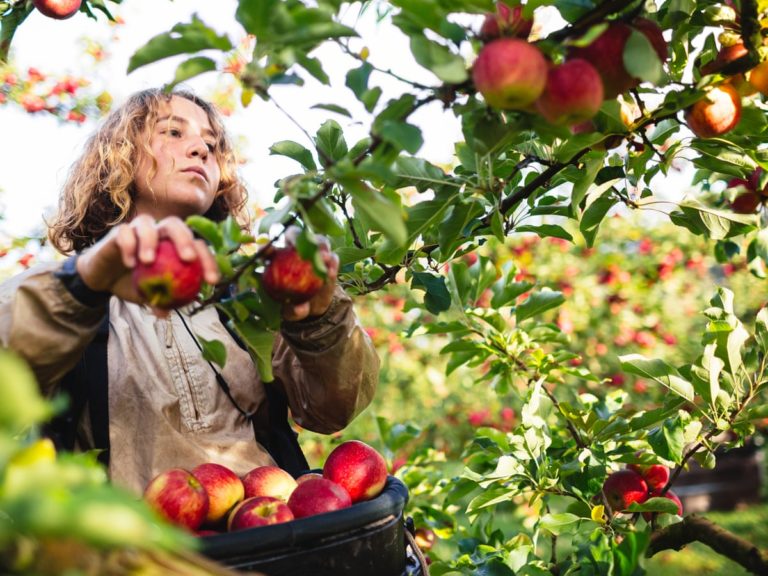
{"type": "Point", "coordinates": [219, 377]}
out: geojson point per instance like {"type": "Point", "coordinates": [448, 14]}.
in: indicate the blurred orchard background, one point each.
{"type": "Point", "coordinates": [641, 289]}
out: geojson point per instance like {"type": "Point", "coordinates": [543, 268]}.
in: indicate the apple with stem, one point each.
{"type": "Point", "coordinates": [179, 497]}
{"type": "Point", "coordinates": [259, 511]}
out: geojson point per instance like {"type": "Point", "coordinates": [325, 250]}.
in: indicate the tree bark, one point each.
{"type": "Point", "coordinates": [698, 529]}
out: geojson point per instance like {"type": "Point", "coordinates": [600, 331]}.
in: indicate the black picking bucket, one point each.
{"type": "Point", "coordinates": [366, 539]}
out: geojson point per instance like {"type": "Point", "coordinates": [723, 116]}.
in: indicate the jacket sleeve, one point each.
{"type": "Point", "coordinates": [328, 367]}
{"type": "Point", "coordinates": [43, 321]}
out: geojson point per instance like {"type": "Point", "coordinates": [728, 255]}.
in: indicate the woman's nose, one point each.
{"type": "Point", "coordinates": [198, 147]}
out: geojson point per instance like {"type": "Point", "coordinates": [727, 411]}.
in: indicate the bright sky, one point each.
{"type": "Point", "coordinates": [38, 149]}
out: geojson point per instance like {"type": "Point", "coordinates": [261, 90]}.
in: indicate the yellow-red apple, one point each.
{"type": "Point", "coordinates": [58, 9]}
{"type": "Point", "coordinates": [573, 93]}
{"type": "Point", "coordinates": [258, 511]}
{"type": "Point", "coordinates": [510, 73]}
{"type": "Point", "coordinates": [505, 21]}
{"type": "Point", "coordinates": [269, 481]}
{"type": "Point", "coordinates": [715, 114]}
{"type": "Point", "coordinates": [179, 497]}
{"type": "Point", "coordinates": [223, 486]}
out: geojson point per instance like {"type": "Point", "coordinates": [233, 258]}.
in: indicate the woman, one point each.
{"type": "Point", "coordinates": [155, 161]}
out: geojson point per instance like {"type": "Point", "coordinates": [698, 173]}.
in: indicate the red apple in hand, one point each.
{"type": "Point", "coordinates": [317, 496]}
{"type": "Point", "coordinates": [624, 487]}
{"type": "Point", "coordinates": [288, 278]}
{"type": "Point", "coordinates": [357, 468]}
{"type": "Point", "coordinates": [179, 497]}
{"type": "Point", "coordinates": [224, 489]}
{"type": "Point", "coordinates": [259, 511]}
{"type": "Point", "coordinates": [573, 93]}
{"type": "Point", "coordinates": [58, 9]}
{"type": "Point", "coordinates": [269, 481]}
{"type": "Point", "coordinates": [505, 21]}
{"type": "Point", "coordinates": [510, 73]}
{"type": "Point", "coordinates": [715, 114]}
{"type": "Point", "coordinates": [169, 281]}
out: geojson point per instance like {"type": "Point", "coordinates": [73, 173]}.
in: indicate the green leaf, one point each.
{"type": "Point", "coordinates": [333, 108]}
{"type": "Point", "coordinates": [401, 134]}
{"type": "Point", "coordinates": [213, 351]}
{"type": "Point", "coordinates": [330, 143]}
{"type": "Point", "coordinates": [538, 303]}
{"type": "Point", "coordinates": [558, 523]}
{"type": "Point", "coordinates": [357, 79]}
{"type": "Point", "coordinates": [191, 68]}
{"type": "Point", "coordinates": [443, 63]}
{"type": "Point", "coordinates": [593, 217]}
{"type": "Point", "coordinates": [717, 224]}
{"type": "Point", "coordinates": [547, 230]}
{"type": "Point", "coordinates": [208, 229]}
{"type": "Point", "coordinates": [668, 441]}
{"type": "Point", "coordinates": [594, 162]}
{"type": "Point", "coordinates": [183, 38]}
{"type": "Point", "coordinates": [295, 151]}
{"type": "Point", "coordinates": [382, 213]}
{"type": "Point", "coordinates": [256, 16]}
{"type": "Point", "coordinates": [659, 371]}
{"type": "Point", "coordinates": [655, 504]}
{"type": "Point", "coordinates": [761, 329]}
{"type": "Point", "coordinates": [641, 60]}
{"type": "Point", "coordinates": [437, 298]}
{"type": "Point", "coordinates": [260, 342]}
{"type": "Point", "coordinates": [22, 404]}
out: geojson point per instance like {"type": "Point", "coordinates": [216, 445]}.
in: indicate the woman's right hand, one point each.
{"type": "Point", "coordinates": [107, 266]}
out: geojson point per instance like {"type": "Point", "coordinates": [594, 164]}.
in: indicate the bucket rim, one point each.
{"type": "Point", "coordinates": [301, 531]}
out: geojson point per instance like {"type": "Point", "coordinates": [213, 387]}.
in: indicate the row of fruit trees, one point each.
{"type": "Point", "coordinates": [578, 336]}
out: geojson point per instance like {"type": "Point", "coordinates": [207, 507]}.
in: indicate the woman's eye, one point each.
{"type": "Point", "coordinates": [211, 146]}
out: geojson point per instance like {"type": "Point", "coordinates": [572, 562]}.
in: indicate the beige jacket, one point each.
{"type": "Point", "coordinates": [165, 407]}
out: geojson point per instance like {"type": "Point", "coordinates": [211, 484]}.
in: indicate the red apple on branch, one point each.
{"type": "Point", "coordinates": [624, 487]}
{"type": "Point", "coordinates": [505, 21]}
{"type": "Point", "coordinates": [58, 9]}
{"type": "Point", "coordinates": [269, 481]}
{"type": "Point", "coordinates": [179, 497]}
{"type": "Point", "coordinates": [715, 114]}
{"type": "Point", "coordinates": [288, 278]}
{"type": "Point", "coordinates": [223, 486]}
{"type": "Point", "coordinates": [317, 496]}
{"type": "Point", "coordinates": [358, 468]}
{"type": "Point", "coordinates": [259, 511]}
{"type": "Point", "coordinates": [573, 93]}
{"type": "Point", "coordinates": [510, 73]}
{"type": "Point", "coordinates": [655, 475]}
{"type": "Point", "coordinates": [606, 53]}
{"type": "Point", "coordinates": [169, 281]}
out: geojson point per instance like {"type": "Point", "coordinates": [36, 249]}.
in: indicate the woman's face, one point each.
{"type": "Point", "coordinates": [186, 175]}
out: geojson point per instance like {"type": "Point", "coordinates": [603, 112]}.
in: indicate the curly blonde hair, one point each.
{"type": "Point", "coordinates": [100, 191]}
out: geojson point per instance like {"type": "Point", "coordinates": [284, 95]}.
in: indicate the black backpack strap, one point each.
{"type": "Point", "coordinates": [87, 384]}
{"type": "Point", "coordinates": [270, 421]}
